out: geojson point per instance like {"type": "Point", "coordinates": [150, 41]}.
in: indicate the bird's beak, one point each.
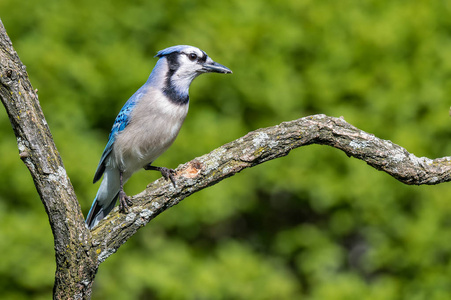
{"type": "Point", "coordinates": [214, 67]}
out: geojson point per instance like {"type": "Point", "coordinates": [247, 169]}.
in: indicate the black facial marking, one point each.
{"type": "Point", "coordinates": [169, 90]}
{"type": "Point", "coordinates": [174, 96]}
{"type": "Point", "coordinates": [203, 58]}
{"type": "Point", "coordinates": [173, 62]}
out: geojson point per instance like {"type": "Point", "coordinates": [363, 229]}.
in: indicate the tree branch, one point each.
{"type": "Point", "coordinates": [260, 146]}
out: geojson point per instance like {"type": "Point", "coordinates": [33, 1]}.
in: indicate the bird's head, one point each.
{"type": "Point", "coordinates": [177, 68]}
{"type": "Point", "coordinates": [190, 61]}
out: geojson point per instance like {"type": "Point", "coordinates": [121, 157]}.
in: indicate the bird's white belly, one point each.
{"type": "Point", "coordinates": [147, 136]}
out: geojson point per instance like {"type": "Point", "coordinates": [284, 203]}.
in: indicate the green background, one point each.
{"type": "Point", "coordinates": [313, 225]}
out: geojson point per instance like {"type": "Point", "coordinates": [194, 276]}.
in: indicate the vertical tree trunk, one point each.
{"type": "Point", "coordinates": [75, 261]}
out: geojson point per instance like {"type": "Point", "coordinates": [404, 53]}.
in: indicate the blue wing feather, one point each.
{"type": "Point", "coordinates": [122, 120]}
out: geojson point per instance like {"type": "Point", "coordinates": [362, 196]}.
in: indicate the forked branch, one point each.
{"type": "Point", "coordinates": [79, 251]}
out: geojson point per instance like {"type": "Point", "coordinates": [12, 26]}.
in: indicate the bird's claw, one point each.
{"type": "Point", "coordinates": [124, 202]}
{"type": "Point", "coordinates": [168, 174]}
{"type": "Point", "coordinates": [165, 172]}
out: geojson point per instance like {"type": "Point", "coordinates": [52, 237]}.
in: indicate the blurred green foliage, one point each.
{"type": "Point", "coordinates": [313, 225]}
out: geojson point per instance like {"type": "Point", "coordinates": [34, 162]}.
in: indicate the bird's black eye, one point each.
{"type": "Point", "coordinates": [192, 56]}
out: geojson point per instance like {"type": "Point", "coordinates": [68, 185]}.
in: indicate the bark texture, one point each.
{"type": "Point", "coordinates": [79, 251]}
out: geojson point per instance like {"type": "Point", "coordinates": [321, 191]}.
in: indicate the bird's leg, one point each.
{"type": "Point", "coordinates": [124, 200]}
{"type": "Point", "coordinates": [165, 172]}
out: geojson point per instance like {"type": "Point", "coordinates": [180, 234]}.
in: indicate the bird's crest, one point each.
{"type": "Point", "coordinates": [179, 49]}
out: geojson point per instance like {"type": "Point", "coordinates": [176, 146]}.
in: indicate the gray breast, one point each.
{"type": "Point", "coordinates": [154, 125]}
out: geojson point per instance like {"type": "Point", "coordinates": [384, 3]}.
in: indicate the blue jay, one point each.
{"type": "Point", "coordinates": [147, 125]}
